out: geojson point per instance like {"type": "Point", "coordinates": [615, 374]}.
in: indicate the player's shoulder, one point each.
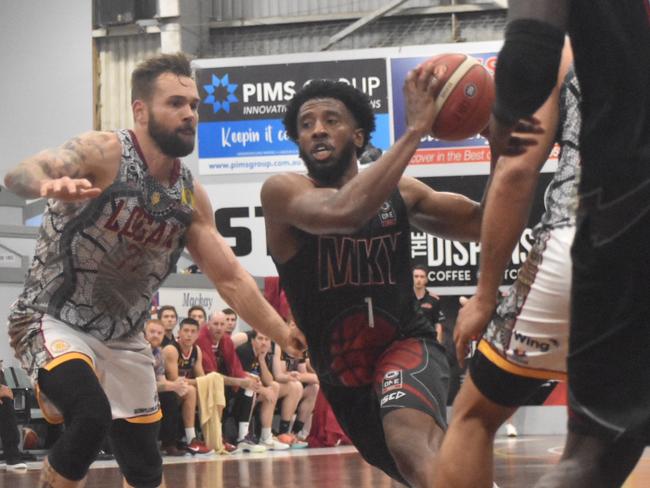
{"type": "Point", "coordinates": [283, 181]}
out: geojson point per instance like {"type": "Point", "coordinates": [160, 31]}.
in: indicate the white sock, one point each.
{"type": "Point", "coordinates": [266, 433]}
{"type": "Point", "coordinates": [243, 430]}
{"type": "Point", "coordinates": [190, 434]}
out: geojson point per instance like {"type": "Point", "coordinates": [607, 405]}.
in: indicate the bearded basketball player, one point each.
{"type": "Point", "coordinates": [121, 208]}
{"type": "Point", "coordinates": [340, 239]}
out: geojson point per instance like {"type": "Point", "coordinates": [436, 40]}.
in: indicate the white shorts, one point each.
{"type": "Point", "coordinates": [124, 369]}
{"type": "Point", "coordinates": [529, 334]}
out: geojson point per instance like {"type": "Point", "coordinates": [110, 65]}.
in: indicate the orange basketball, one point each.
{"type": "Point", "coordinates": [465, 97]}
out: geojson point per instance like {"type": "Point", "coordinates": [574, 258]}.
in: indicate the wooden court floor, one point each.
{"type": "Point", "coordinates": [518, 463]}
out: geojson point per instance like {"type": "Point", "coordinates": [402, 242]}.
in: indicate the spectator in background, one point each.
{"type": "Point", "coordinates": [231, 320]}
{"type": "Point", "coordinates": [218, 354]}
{"type": "Point", "coordinates": [256, 360]}
{"type": "Point", "coordinates": [183, 359]}
{"type": "Point", "coordinates": [429, 303]}
{"type": "Point", "coordinates": [9, 434]}
{"type": "Point", "coordinates": [170, 393]}
{"type": "Point", "coordinates": [197, 313]}
{"type": "Point", "coordinates": [168, 316]}
{"type": "Point", "coordinates": [288, 371]}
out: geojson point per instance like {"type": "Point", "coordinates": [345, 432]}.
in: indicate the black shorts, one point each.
{"type": "Point", "coordinates": [411, 373]}
{"type": "Point", "coordinates": [609, 347]}
{"type": "Point", "coordinates": [501, 386]}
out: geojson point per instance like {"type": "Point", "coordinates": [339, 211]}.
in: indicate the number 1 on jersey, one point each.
{"type": "Point", "coordinates": [371, 315]}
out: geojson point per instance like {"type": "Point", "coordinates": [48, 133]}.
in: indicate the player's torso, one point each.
{"type": "Point", "coordinates": [354, 291]}
{"type": "Point", "coordinates": [561, 196]}
{"type": "Point", "coordinates": [98, 263]}
{"type": "Point", "coordinates": [186, 362]}
{"type": "Point", "coordinates": [611, 41]}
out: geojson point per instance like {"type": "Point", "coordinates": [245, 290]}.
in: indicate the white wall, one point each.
{"type": "Point", "coordinates": [45, 90]}
{"type": "Point", "coordinates": [46, 82]}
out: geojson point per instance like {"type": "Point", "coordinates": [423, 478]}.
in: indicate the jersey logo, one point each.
{"type": "Point", "coordinates": [396, 395]}
{"type": "Point", "coordinates": [392, 381]}
{"type": "Point", "coordinates": [350, 261]}
{"type": "Point", "coordinates": [387, 215]}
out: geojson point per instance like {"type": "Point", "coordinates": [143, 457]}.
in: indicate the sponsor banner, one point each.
{"type": "Point", "coordinates": [434, 151]}
{"type": "Point", "coordinates": [239, 219]}
{"type": "Point", "coordinates": [184, 298]}
{"type": "Point", "coordinates": [241, 111]}
{"type": "Point", "coordinates": [453, 266]}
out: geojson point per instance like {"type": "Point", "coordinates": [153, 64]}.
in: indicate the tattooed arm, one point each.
{"type": "Point", "coordinates": [80, 168]}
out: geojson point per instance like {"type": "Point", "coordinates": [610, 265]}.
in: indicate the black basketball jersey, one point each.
{"type": "Point", "coordinates": [186, 363]}
{"type": "Point", "coordinates": [354, 293]}
{"type": "Point", "coordinates": [430, 307]}
{"type": "Point", "coordinates": [611, 41]}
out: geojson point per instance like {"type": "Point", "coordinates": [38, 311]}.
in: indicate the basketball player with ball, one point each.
{"type": "Point", "coordinates": [340, 239]}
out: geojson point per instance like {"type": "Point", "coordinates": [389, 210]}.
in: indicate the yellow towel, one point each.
{"type": "Point", "coordinates": [211, 396]}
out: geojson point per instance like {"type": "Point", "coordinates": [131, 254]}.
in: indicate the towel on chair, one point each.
{"type": "Point", "coordinates": [211, 396]}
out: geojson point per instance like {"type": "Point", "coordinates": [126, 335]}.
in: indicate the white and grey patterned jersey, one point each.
{"type": "Point", "coordinates": [561, 197]}
{"type": "Point", "coordinates": [98, 263]}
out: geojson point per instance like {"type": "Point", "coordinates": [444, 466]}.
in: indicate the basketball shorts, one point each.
{"type": "Point", "coordinates": [609, 352]}
{"type": "Point", "coordinates": [124, 367]}
{"type": "Point", "coordinates": [529, 333]}
{"type": "Point", "coordinates": [411, 373]}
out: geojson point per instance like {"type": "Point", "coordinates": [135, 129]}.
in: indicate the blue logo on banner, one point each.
{"type": "Point", "coordinates": [220, 103]}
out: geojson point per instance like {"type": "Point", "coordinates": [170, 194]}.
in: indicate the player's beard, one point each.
{"type": "Point", "coordinates": [170, 142]}
{"type": "Point", "coordinates": [332, 169]}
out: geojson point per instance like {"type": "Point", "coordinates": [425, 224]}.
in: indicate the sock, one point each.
{"type": "Point", "coordinates": [190, 434]}
{"type": "Point", "coordinates": [297, 426]}
{"type": "Point", "coordinates": [243, 430]}
{"type": "Point", "coordinates": [284, 426]}
{"type": "Point", "coordinates": [266, 433]}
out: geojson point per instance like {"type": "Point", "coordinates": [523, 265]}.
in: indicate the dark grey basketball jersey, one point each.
{"type": "Point", "coordinates": [98, 263]}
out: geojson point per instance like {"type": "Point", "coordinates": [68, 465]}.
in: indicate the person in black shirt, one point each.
{"type": "Point", "coordinates": [429, 304]}
{"type": "Point", "coordinates": [256, 360]}
{"type": "Point", "coordinates": [184, 359]}
{"type": "Point", "coordinates": [169, 318]}
{"type": "Point", "coordinates": [608, 363]}
{"type": "Point", "coordinates": [340, 239]}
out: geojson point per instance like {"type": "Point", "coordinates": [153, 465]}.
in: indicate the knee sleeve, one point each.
{"type": "Point", "coordinates": [76, 392]}
{"type": "Point", "coordinates": [136, 450]}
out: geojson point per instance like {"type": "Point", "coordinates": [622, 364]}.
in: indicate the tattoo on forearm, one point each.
{"type": "Point", "coordinates": [67, 160]}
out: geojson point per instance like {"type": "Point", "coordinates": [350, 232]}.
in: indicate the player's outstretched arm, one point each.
{"type": "Point", "coordinates": [217, 261]}
{"type": "Point", "coordinates": [526, 66]}
{"type": "Point", "coordinates": [79, 169]}
{"type": "Point", "coordinates": [290, 200]}
{"type": "Point", "coordinates": [507, 206]}
{"type": "Point", "coordinates": [448, 215]}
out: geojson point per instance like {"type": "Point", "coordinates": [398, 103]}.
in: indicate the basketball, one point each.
{"type": "Point", "coordinates": [465, 97]}
{"type": "Point", "coordinates": [30, 438]}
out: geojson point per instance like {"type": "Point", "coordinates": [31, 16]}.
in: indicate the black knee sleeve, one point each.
{"type": "Point", "coordinates": [76, 392]}
{"type": "Point", "coordinates": [135, 448]}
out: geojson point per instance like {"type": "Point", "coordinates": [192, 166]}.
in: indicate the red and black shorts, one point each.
{"type": "Point", "coordinates": [411, 373]}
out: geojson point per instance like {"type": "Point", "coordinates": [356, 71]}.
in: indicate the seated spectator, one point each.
{"type": "Point", "coordinates": [183, 359]}
{"type": "Point", "coordinates": [170, 393]}
{"type": "Point", "coordinates": [168, 316]}
{"type": "Point", "coordinates": [231, 320]}
{"type": "Point", "coordinates": [255, 359]}
{"type": "Point", "coordinates": [9, 434]}
{"type": "Point", "coordinates": [197, 313]}
{"type": "Point", "coordinates": [289, 371]}
{"type": "Point", "coordinates": [218, 354]}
